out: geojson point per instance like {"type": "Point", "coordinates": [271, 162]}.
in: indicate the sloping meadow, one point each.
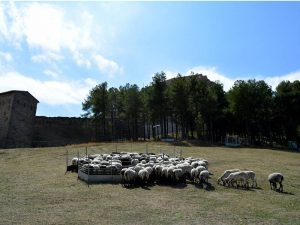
{"type": "Point", "coordinates": [34, 189]}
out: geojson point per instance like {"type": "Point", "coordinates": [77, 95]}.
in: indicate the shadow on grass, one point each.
{"type": "Point", "coordinates": [205, 186]}
{"type": "Point", "coordinates": [242, 188]}
{"type": "Point", "coordinates": [179, 186]}
{"type": "Point", "coordinates": [285, 192]}
{"type": "Point", "coordinates": [199, 143]}
{"type": "Point", "coordinates": [172, 185]}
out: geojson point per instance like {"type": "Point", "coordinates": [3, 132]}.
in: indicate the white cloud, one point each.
{"type": "Point", "coordinates": [51, 33]}
{"type": "Point", "coordinates": [170, 74]}
{"type": "Point", "coordinates": [48, 92]}
{"type": "Point", "coordinates": [51, 73]}
{"type": "Point", "coordinates": [3, 27]}
{"type": "Point", "coordinates": [214, 75]}
{"type": "Point", "coordinates": [107, 66]}
{"type": "Point", "coordinates": [81, 60]}
{"type": "Point", "coordinates": [5, 56]}
{"type": "Point", "coordinates": [46, 57]}
{"type": "Point", "coordinates": [275, 80]}
{"type": "Point", "coordinates": [46, 27]}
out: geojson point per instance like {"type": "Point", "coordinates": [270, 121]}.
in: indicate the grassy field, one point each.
{"type": "Point", "coordinates": [35, 190]}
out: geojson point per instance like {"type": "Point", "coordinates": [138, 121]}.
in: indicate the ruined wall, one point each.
{"type": "Point", "coordinates": [19, 127]}
{"type": "Point", "coordinates": [59, 131]}
{"type": "Point", "coordinates": [6, 102]}
{"type": "Point", "coordinates": [21, 121]}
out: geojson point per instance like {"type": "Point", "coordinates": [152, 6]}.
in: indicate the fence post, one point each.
{"type": "Point", "coordinates": [174, 151]}
{"type": "Point", "coordinates": [86, 151]}
{"type": "Point", "coordinates": [111, 170]}
{"type": "Point", "coordinates": [77, 164]}
{"type": "Point", "coordinates": [88, 173]}
{"type": "Point", "coordinates": [67, 159]}
{"type": "Point", "coordinates": [147, 148]}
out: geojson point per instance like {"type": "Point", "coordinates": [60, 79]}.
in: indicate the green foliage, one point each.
{"type": "Point", "coordinates": [188, 104]}
{"type": "Point", "coordinates": [287, 109]}
{"type": "Point", "coordinates": [250, 103]}
{"type": "Point", "coordinates": [96, 104]}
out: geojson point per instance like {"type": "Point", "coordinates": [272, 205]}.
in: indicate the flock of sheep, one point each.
{"type": "Point", "coordinates": [142, 168]}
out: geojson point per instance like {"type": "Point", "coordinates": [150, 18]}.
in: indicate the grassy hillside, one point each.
{"type": "Point", "coordinates": [35, 190]}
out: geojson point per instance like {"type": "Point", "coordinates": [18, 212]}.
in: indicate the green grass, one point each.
{"type": "Point", "coordinates": [35, 190]}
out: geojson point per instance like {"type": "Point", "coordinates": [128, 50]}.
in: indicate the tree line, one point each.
{"type": "Point", "coordinates": [193, 107]}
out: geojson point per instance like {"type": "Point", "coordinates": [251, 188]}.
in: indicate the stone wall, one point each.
{"type": "Point", "coordinates": [19, 127]}
{"type": "Point", "coordinates": [18, 113]}
{"type": "Point", "coordinates": [6, 102]}
{"type": "Point", "coordinates": [21, 121]}
{"type": "Point", "coordinates": [59, 131]}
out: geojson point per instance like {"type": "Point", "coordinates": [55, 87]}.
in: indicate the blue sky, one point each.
{"type": "Point", "coordinates": [59, 50]}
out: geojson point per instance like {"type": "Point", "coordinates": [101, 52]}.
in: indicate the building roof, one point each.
{"type": "Point", "coordinates": [17, 91]}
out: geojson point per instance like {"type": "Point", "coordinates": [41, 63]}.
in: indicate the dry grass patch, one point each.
{"type": "Point", "coordinates": [35, 190]}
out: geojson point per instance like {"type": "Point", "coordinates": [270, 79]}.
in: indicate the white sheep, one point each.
{"type": "Point", "coordinates": [225, 175]}
{"type": "Point", "coordinates": [193, 174]}
{"type": "Point", "coordinates": [275, 178]}
{"type": "Point", "coordinates": [130, 177]}
{"type": "Point", "coordinates": [137, 168]}
{"type": "Point", "coordinates": [186, 169]}
{"type": "Point", "coordinates": [251, 176]}
{"type": "Point", "coordinates": [165, 172]}
{"type": "Point", "coordinates": [194, 164]}
{"type": "Point", "coordinates": [203, 176]}
{"type": "Point", "coordinates": [143, 175]}
{"type": "Point", "coordinates": [170, 172]}
{"type": "Point", "coordinates": [134, 162]}
{"type": "Point", "coordinates": [202, 163]}
{"type": "Point", "coordinates": [178, 174]}
{"type": "Point", "coordinates": [196, 173]}
{"type": "Point", "coordinates": [75, 161]}
{"type": "Point", "coordinates": [123, 176]}
{"type": "Point", "coordinates": [236, 177]}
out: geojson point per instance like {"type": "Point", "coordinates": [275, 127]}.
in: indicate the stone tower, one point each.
{"type": "Point", "coordinates": [17, 114]}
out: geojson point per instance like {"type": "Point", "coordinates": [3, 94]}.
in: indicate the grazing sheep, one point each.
{"type": "Point", "coordinates": [130, 177]}
{"type": "Point", "coordinates": [194, 164]}
{"type": "Point", "coordinates": [225, 175]}
{"type": "Point", "coordinates": [202, 163]}
{"type": "Point", "coordinates": [158, 170]}
{"type": "Point", "coordinates": [143, 175]}
{"type": "Point", "coordinates": [235, 178]}
{"type": "Point", "coordinates": [152, 158]}
{"type": "Point", "coordinates": [203, 176]}
{"type": "Point", "coordinates": [196, 173]}
{"type": "Point", "coordinates": [200, 168]}
{"type": "Point", "coordinates": [170, 172]}
{"type": "Point", "coordinates": [186, 169]}
{"type": "Point", "coordinates": [117, 165]}
{"type": "Point", "coordinates": [137, 168]}
{"type": "Point", "coordinates": [72, 168]}
{"type": "Point", "coordinates": [123, 176]}
{"type": "Point", "coordinates": [165, 172]}
{"type": "Point", "coordinates": [193, 175]}
{"type": "Point", "coordinates": [75, 161]}
{"type": "Point", "coordinates": [251, 176]}
{"type": "Point", "coordinates": [178, 174]}
{"type": "Point", "coordinates": [134, 162]}
{"type": "Point", "coordinates": [275, 178]}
